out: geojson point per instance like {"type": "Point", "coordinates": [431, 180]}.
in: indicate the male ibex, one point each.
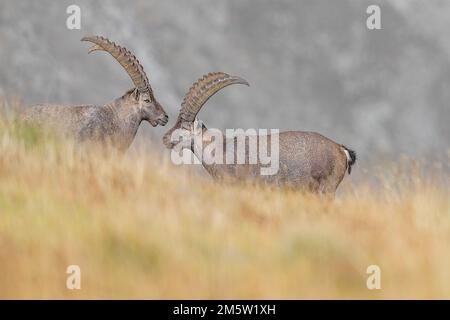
{"type": "Point", "coordinates": [307, 160]}
{"type": "Point", "coordinates": [115, 122]}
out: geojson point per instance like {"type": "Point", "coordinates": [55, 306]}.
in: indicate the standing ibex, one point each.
{"type": "Point", "coordinates": [307, 160]}
{"type": "Point", "coordinates": [115, 122]}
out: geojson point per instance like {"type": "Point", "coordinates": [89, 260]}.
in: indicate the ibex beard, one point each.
{"type": "Point", "coordinates": [245, 148]}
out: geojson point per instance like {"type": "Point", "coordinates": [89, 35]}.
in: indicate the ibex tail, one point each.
{"type": "Point", "coordinates": [351, 158]}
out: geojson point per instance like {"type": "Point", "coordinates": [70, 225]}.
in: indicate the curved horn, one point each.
{"type": "Point", "coordinates": [126, 59]}
{"type": "Point", "coordinates": [204, 89]}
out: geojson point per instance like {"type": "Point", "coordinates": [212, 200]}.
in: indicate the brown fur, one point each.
{"type": "Point", "coordinates": [307, 161]}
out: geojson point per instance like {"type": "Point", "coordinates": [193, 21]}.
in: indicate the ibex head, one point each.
{"type": "Point", "coordinates": [150, 108]}
{"type": "Point", "coordinates": [198, 94]}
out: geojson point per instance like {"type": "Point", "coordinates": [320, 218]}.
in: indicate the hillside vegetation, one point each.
{"type": "Point", "coordinates": [139, 227]}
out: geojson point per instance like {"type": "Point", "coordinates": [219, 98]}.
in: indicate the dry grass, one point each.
{"type": "Point", "coordinates": [139, 228]}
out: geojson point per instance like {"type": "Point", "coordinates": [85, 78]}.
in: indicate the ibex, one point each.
{"type": "Point", "coordinates": [115, 122]}
{"type": "Point", "coordinates": [307, 160]}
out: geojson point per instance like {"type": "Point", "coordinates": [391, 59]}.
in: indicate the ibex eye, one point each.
{"type": "Point", "coordinates": [146, 100]}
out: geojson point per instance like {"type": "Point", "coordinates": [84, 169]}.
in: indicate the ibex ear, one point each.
{"type": "Point", "coordinates": [136, 94]}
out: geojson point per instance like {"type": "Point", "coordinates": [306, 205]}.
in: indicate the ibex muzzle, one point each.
{"type": "Point", "coordinates": [307, 160]}
{"type": "Point", "coordinates": [115, 122]}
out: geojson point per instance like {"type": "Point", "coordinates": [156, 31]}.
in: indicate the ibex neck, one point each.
{"type": "Point", "coordinates": [127, 117]}
{"type": "Point", "coordinates": [212, 168]}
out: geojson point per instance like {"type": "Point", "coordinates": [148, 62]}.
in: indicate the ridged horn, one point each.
{"type": "Point", "coordinates": [204, 89]}
{"type": "Point", "coordinates": [126, 59]}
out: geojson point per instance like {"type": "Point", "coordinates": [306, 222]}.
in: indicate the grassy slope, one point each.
{"type": "Point", "coordinates": [139, 228]}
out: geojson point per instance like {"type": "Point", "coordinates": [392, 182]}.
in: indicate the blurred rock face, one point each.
{"type": "Point", "coordinates": [312, 65]}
